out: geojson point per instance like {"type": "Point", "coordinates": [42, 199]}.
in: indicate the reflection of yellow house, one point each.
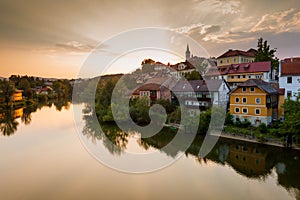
{"type": "Point", "coordinates": [254, 100]}
{"type": "Point", "coordinates": [17, 96]}
{"type": "Point", "coordinates": [18, 113]}
{"type": "Point", "coordinates": [246, 159]}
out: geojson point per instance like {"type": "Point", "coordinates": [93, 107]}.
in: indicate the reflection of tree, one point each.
{"type": "Point", "coordinates": [61, 103]}
{"type": "Point", "coordinates": [26, 117]}
{"type": "Point", "coordinates": [114, 139]}
{"type": "Point", "coordinates": [8, 124]}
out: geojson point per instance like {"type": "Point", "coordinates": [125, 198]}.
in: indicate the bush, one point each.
{"type": "Point", "coordinates": [262, 128]}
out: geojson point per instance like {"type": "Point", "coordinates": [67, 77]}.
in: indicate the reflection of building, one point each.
{"type": "Point", "coordinates": [17, 96]}
{"type": "Point", "coordinates": [289, 77]}
{"type": "Point", "coordinates": [236, 57]}
{"type": "Point", "coordinates": [18, 113]}
{"type": "Point", "coordinates": [254, 100]}
{"type": "Point", "coordinates": [248, 160]}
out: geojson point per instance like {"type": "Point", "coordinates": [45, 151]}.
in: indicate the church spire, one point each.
{"type": "Point", "coordinates": [187, 53]}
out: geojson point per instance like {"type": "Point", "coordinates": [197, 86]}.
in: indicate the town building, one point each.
{"type": "Point", "coordinates": [200, 94]}
{"type": "Point", "coordinates": [235, 74]}
{"type": "Point", "coordinates": [236, 57]}
{"type": "Point", "coordinates": [289, 77]}
{"type": "Point", "coordinates": [254, 100]}
{"type": "Point", "coordinates": [155, 88]}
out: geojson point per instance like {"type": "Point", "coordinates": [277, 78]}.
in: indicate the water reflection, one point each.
{"type": "Point", "coordinates": [251, 160]}
{"type": "Point", "coordinates": [9, 116]}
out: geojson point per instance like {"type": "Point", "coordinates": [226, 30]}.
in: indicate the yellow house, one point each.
{"type": "Point", "coordinates": [254, 100]}
{"type": "Point", "coordinates": [18, 96]}
{"type": "Point", "coordinates": [236, 57]}
{"type": "Point", "coordinates": [18, 113]}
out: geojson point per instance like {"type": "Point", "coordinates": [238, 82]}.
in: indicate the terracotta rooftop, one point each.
{"type": "Point", "coordinates": [290, 68]}
{"type": "Point", "coordinates": [231, 53]}
{"type": "Point", "coordinates": [197, 86]}
{"type": "Point", "coordinates": [245, 68]}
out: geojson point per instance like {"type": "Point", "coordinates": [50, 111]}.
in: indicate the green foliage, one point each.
{"type": "Point", "coordinates": [229, 119]}
{"type": "Point", "coordinates": [243, 124]}
{"type": "Point", "coordinates": [7, 89]}
{"type": "Point", "coordinates": [175, 116]}
{"type": "Point", "coordinates": [194, 75]}
{"type": "Point", "coordinates": [262, 128]}
{"type": "Point", "coordinates": [167, 104]}
{"type": "Point", "coordinates": [266, 54]}
{"type": "Point", "coordinates": [204, 122]}
{"type": "Point", "coordinates": [291, 124]}
{"type": "Point", "coordinates": [139, 110]}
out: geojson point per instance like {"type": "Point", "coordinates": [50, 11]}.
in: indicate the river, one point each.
{"type": "Point", "coordinates": [42, 157]}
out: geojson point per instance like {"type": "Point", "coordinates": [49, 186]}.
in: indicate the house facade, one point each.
{"type": "Point", "coordinates": [236, 57]}
{"type": "Point", "coordinates": [18, 95]}
{"type": "Point", "coordinates": [200, 94]}
{"type": "Point", "coordinates": [289, 77]}
{"type": "Point", "coordinates": [254, 100]}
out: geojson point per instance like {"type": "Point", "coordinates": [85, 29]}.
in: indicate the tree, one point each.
{"type": "Point", "coordinates": [291, 124]}
{"type": "Point", "coordinates": [148, 61]}
{"type": "Point", "coordinates": [24, 84]}
{"type": "Point", "coordinates": [8, 89]}
{"type": "Point", "coordinates": [194, 75]}
{"type": "Point", "coordinates": [266, 54]}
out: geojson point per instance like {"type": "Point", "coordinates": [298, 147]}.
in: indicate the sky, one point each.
{"type": "Point", "coordinates": [51, 38]}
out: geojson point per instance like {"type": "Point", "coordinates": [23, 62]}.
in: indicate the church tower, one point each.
{"type": "Point", "coordinates": [187, 53]}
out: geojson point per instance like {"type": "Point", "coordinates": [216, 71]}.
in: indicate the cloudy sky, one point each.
{"type": "Point", "coordinates": [52, 38]}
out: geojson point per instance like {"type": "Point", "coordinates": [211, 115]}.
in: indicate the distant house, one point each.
{"type": "Point", "coordinates": [289, 77]}
{"type": "Point", "coordinates": [236, 57]}
{"type": "Point", "coordinates": [200, 94]}
{"type": "Point", "coordinates": [254, 100]}
{"type": "Point", "coordinates": [235, 74]}
{"type": "Point", "coordinates": [179, 70]}
{"type": "Point", "coordinates": [44, 90]}
{"type": "Point", "coordinates": [155, 88]}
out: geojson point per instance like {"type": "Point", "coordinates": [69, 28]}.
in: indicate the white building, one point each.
{"type": "Point", "coordinates": [289, 77]}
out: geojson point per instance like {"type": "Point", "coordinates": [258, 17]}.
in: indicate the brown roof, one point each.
{"type": "Point", "coordinates": [245, 68]}
{"type": "Point", "coordinates": [292, 59]}
{"type": "Point", "coordinates": [187, 63]}
{"type": "Point", "coordinates": [267, 87]}
{"type": "Point", "coordinates": [149, 86]}
{"type": "Point", "coordinates": [290, 68]}
{"type": "Point", "coordinates": [281, 91]}
{"type": "Point", "coordinates": [231, 53]}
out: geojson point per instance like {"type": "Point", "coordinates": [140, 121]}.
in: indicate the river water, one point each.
{"type": "Point", "coordinates": [42, 157]}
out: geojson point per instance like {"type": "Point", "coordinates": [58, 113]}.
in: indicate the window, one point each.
{"type": "Point", "coordinates": [252, 89]}
{"type": "Point", "coordinates": [289, 93]}
{"type": "Point", "coordinates": [244, 76]}
{"type": "Point", "coordinates": [244, 100]}
{"type": "Point", "coordinates": [227, 60]}
{"type": "Point", "coordinates": [221, 61]}
{"type": "Point", "coordinates": [237, 110]}
{"type": "Point", "coordinates": [289, 79]}
{"type": "Point", "coordinates": [244, 89]}
{"type": "Point", "coordinates": [238, 76]}
{"type": "Point", "coordinates": [249, 76]}
{"type": "Point", "coordinates": [234, 59]}
{"type": "Point", "coordinates": [237, 100]}
{"type": "Point", "coordinates": [245, 110]}
{"type": "Point", "coordinates": [257, 111]}
{"type": "Point", "coordinates": [257, 100]}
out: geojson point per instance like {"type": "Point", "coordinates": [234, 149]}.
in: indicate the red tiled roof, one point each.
{"type": "Point", "coordinates": [230, 53]}
{"type": "Point", "coordinates": [290, 60]}
{"type": "Point", "coordinates": [290, 68]}
{"type": "Point", "coordinates": [245, 68]}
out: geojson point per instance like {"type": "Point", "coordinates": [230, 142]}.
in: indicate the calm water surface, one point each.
{"type": "Point", "coordinates": [42, 158]}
